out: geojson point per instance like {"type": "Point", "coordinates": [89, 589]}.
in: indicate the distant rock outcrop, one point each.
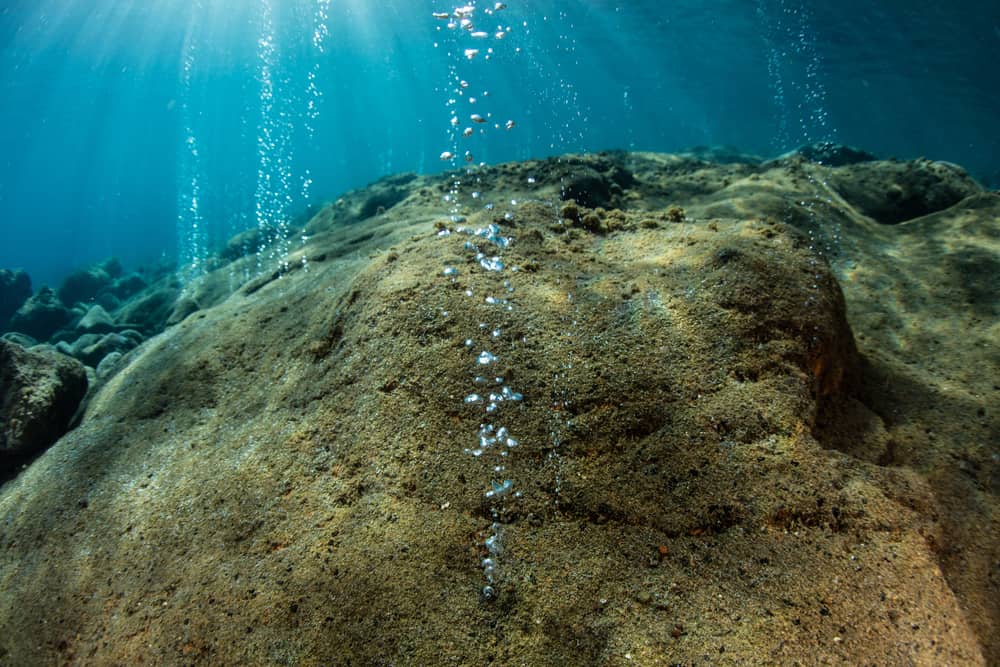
{"type": "Point", "coordinates": [84, 285]}
{"type": "Point", "coordinates": [894, 192]}
{"type": "Point", "coordinates": [832, 154]}
{"type": "Point", "coordinates": [42, 315]}
{"type": "Point", "coordinates": [15, 289]}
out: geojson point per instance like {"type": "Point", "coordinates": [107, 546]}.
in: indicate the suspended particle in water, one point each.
{"type": "Point", "coordinates": [468, 156]}
{"type": "Point", "coordinates": [447, 155]}
{"type": "Point", "coordinates": [443, 16]}
{"type": "Point", "coordinates": [509, 125]}
{"type": "Point", "coordinates": [476, 118]}
{"type": "Point", "coordinates": [479, 34]}
{"type": "Point", "coordinates": [499, 6]}
{"type": "Point", "coordinates": [471, 53]}
{"type": "Point", "coordinates": [486, 358]}
{"type": "Point", "coordinates": [467, 132]}
{"type": "Point", "coordinates": [450, 271]}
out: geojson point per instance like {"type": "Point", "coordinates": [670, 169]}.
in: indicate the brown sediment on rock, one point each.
{"type": "Point", "coordinates": [729, 451]}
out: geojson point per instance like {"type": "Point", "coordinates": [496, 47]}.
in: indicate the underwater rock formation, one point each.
{"type": "Point", "coordinates": [15, 289]}
{"type": "Point", "coordinates": [748, 435]}
{"type": "Point", "coordinates": [96, 320]}
{"type": "Point", "coordinates": [895, 192]}
{"type": "Point", "coordinates": [41, 316]}
{"type": "Point", "coordinates": [84, 285]}
{"type": "Point", "coordinates": [39, 393]}
{"type": "Point", "coordinates": [91, 348]}
{"type": "Point", "coordinates": [834, 155]}
{"type": "Point", "coordinates": [150, 309]}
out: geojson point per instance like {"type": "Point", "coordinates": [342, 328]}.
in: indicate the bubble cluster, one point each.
{"type": "Point", "coordinates": [313, 93]}
{"type": "Point", "coordinates": [490, 393]}
{"type": "Point", "coordinates": [274, 158]}
{"type": "Point", "coordinates": [788, 22]}
{"type": "Point", "coordinates": [474, 33]}
{"type": "Point", "coordinates": [191, 238]}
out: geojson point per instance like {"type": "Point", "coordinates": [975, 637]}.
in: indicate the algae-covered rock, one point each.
{"type": "Point", "coordinates": [184, 307]}
{"type": "Point", "coordinates": [892, 192]}
{"type": "Point", "coordinates": [108, 365]}
{"type": "Point", "coordinates": [39, 393]}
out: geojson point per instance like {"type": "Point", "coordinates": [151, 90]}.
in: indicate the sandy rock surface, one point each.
{"type": "Point", "coordinates": [753, 424]}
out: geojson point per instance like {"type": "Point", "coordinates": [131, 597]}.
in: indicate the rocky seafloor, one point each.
{"type": "Point", "coordinates": [614, 409]}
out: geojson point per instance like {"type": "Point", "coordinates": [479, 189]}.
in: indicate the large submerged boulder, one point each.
{"type": "Point", "coordinates": [84, 285]}
{"type": "Point", "coordinates": [39, 394]}
{"type": "Point", "coordinates": [96, 320]}
{"type": "Point", "coordinates": [894, 192]}
{"type": "Point", "coordinates": [550, 434]}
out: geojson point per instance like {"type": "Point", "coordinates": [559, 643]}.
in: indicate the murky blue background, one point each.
{"type": "Point", "coordinates": [100, 100]}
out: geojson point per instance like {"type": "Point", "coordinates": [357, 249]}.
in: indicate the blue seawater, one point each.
{"type": "Point", "coordinates": [153, 130]}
